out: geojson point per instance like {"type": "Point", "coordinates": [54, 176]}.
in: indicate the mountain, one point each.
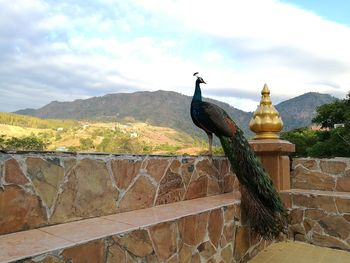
{"type": "Point", "coordinates": [160, 108]}
{"type": "Point", "coordinates": [299, 111]}
{"type": "Point", "coordinates": [170, 109]}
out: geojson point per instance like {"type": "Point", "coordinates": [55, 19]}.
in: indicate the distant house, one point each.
{"type": "Point", "coordinates": [61, 149]}
{"type": "Point", "coordinates": [133, 135]}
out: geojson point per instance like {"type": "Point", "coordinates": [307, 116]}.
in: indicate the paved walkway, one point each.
{"type": "Point", "coordinates": [298, 252]}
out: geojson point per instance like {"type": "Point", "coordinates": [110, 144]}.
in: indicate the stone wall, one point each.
{"type": "Point", "coordinates": [320, 218]}
{"type": "Point", "coordinates": [321, 174]}
{"type": "Point", "coordinates": [319, 202]}
{"type": "Point", "coordinates": [212, 236]}
{"type": "Point", "coordinates": [38, 189]}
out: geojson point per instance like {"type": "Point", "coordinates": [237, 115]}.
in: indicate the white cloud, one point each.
{"type": "Point", "coordinates": [68, 50]}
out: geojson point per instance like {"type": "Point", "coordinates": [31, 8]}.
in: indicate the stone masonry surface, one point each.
{"type": "Point", "coordinates": [321, 174]}
{"type": "Point", "coordinates": [208, 229]}
{"type": "Point", "coordinates": [319, 217]}
{"type": "Point", "coordinates": [43, 188]}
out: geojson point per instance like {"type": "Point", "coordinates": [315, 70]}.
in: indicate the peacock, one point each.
{"type": "Point", "coordinates": [261, 203]}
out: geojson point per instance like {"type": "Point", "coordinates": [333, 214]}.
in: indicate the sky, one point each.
{"type": "Point", "coordinates": [75, 49]}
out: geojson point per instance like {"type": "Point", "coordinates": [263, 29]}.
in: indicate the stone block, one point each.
{"type": "Point", "coordinates": [315, 214]}
{"type": "Point", "coordinates": [90, 252]}
{"type": "Point", "coordinates": [343, 205]}
{"type": "Point", "coordinates": [230, 213]}
{"type": "Point", "coordinates": [13, 173]}
{"type": "Point", "coordinates": [157, 167]}
{"type": "Point", "coordinates": [171, 188]}
{"type": "Point", "coordinates": [87, 192]}
{"type": "Point", "coordinates": [197, 188]}
{"type": "Point", "coordinates": [328, 241]}
{"type": "Point", "coordinates": [242, 243]}
{"type": "Point", "coordinates": [215, 225]}
{"type": "Point", "coordinates": [124, 171]}
{"type": "Point", "coordinates": [206, 250]}
{"type": "Point", "coordinates": [343, 184]}
{"type": "Point", "coordinates": [310, 164]}
{"type": "Point", "coordinates": [206, 168]}
{"type": "Point", "coordinates": [185, 253]}
{"type": "Point", "coordinates": [336, 226]}
{"type": "Point", "coordinates": [193, 228]}
{"type": "Point", "coordinates": [296, 216]}
{"type": "Point", "coordinates": [229, 232]}
{"type": "Point", "coordinates": [47, 176]}
{"type": "Point", "coordinates": [164, 239]}
{"type": "Point", "coordinates": [227, 253]}
{"type": "Point", "coordinates": [20, 210]}
{"type": "Point", "coordinates": [286, 198]}
{"type": "Point", "coordinates": [305, 179]}
{"type": "Point", "coordinates": [332, 166]}
{"type": "Point", "coordinates": [222, 165]}
{"type": "Point", "coordinates": [187, 170]}
{"type": "Point", "coordinates": [116, 254]}
{"type": "Point", "coordinates": [140, 195]}
{"type": "Point", "coordinates": [137, 242]}
{"type": "Point", "coordinates": [314, 201]}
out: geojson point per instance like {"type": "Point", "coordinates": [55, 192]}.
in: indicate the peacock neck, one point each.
{"type": "Point", "coordinates": [197, 93]}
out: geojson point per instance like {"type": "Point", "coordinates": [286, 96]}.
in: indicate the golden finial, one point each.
{"type": "Point", "coordinates": [266, 121]}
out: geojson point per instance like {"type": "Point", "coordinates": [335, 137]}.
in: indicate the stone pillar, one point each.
{"type": "Point", "coordinates": [272, 151]}
{"type": "Point", "coordinates": [273, 154]}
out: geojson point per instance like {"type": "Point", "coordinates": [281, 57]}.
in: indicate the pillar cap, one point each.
{"type": "Point", "coordinates": [272, 146]}
{"type": "Point", "coordinates": [266, 121]}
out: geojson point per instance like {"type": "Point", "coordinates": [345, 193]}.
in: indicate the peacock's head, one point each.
{"type": "Point", "coordinates": [199, 79]}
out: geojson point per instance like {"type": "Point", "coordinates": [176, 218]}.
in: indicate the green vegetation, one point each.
{"type": "Point", "coordinates": [33, 122]}
{"type": "Point", "coordinates": [330, 141]}
{"type": "Point", "coordinates": [18, 132]}
{"type": "Point", "coordinates": [29, 143]}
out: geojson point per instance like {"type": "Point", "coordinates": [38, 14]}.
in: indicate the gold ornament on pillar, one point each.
{"type": "Point", "coordinates": [266, 121]}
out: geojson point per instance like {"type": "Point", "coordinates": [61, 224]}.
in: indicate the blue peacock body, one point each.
{"type": "Point", "coordinates": [260, 201]}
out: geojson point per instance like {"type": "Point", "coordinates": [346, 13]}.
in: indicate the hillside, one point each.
{"type": "Point", "coordinates": [107, 137]}
{"type": "Point", "coordinates": [160, 108]}
{"type": "Point", "coordinates": [299, 111]}
{"type": "Point", "coordinates": [171, 109]}
{"type": "Point", "coordinates": [33, 122]}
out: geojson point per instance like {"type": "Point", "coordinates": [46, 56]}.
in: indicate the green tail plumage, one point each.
{"type": "Point", "coordinates": [260, 200]}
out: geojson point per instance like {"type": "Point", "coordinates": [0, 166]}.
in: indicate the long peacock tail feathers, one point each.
{"type": "Point", "coordinates": [260, 201]}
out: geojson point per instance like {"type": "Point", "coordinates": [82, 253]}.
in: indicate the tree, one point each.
{"type": "Point", "coordinates": [329, 141]}
{"type": "Point", "coordinates": [333, 113]}
{"type": "Point", "coordinates": [332, 143]}
{"type": "Point", "coordinates": [30, 143]}
{"type": "Point", "coordinates": [303, 138]}
{"type": "Point", "coordinates": [2, 142]}
{"type": "Point", "coordinates": [86, 144]}
{"type": "Point", "coordinates": [330, 114]}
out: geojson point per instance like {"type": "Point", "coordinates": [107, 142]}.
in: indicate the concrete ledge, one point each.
{"type": "Point", "coordinates": [57, 240]}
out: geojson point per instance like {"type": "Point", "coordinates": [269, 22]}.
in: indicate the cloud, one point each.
{"type": "Point", "coordinates": [64, 50]}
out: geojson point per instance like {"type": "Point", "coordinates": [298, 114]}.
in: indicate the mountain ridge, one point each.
{"type": "Point", "coordinates": [171, 109]}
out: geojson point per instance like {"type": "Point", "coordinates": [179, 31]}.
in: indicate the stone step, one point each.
{"type": "Point", "coordinates": [207, 228]}
{"type": "Point", "coordinates": [321, 174]}
{"type": "Point", "coordinates": [288, 251]}
{"type": "Point", "coordinates": [319, 217]}
{"type": "Point", "coordinates": [42, 188]}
